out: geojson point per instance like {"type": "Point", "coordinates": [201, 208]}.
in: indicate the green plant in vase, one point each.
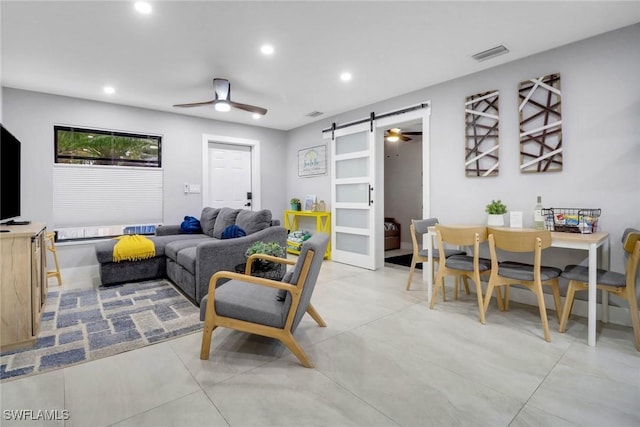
{"type": "Point", "coordinates": [267, 248]}
{"type": "Point", "coordinates": [295, 203]}
{"type": "Point", "coordinates": [496, 210]}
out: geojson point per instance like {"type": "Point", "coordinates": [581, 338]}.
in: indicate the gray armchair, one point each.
{"type": "Point", "coordinates": [262, 306]}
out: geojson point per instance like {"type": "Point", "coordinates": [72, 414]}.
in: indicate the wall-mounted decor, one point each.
{"type": "Point", "coordinates": [481, 134]}
{"type": "Point", "coordinates": [312, 161]}
{"type": "Point", "coordinates": [540, 124]}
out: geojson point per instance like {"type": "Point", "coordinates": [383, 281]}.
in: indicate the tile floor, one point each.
{"type": "Point", "coordinates": [385, 359]}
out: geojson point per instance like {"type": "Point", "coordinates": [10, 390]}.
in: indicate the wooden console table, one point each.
{"type": "Point", "coordinates": [24, 284]}
{"type": "Point", "coordinates": [323, 224]}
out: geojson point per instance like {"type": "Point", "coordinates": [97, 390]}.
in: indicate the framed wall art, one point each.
{"type": "Point", "coordinates": [540, 124]}
{"type": "Point", "coordinates": [481, 134]}
{"type": "Point", "coordinates": [312, 161]}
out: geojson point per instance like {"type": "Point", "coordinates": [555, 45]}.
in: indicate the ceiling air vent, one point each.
{"type": "Point", "coordinates": [314, 114]}
{"type": "Point", "coordinates": [491, 53]}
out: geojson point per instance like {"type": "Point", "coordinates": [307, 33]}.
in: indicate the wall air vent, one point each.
{"type": "Point", "coordinates": [314, 114]}
{"type": "Point", "coordinates": [491, 53]}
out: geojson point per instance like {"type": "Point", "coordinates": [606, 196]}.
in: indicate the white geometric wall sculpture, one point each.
{"type": "Point", "coordinates": [540, 124]}
{"type": "Point", "coordinates": [481, 134]}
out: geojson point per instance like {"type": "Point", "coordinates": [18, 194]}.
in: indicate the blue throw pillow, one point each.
{"type": "Point", "coordinates": [190, 225]}
{"type": "Point", "coordinates": [232, 231]}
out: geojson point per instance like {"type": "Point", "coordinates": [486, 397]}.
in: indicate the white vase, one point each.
{"type": "Point", "coordinates": [495, 220]}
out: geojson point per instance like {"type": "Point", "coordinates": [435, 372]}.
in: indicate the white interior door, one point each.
{"type": "Point", "coordinates": [229, 177]}
{"type": "Point", "coordinates": [354, 191]}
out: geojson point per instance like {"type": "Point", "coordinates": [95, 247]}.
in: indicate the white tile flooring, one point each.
{"type": "Point", "coordinates": [384, 359]}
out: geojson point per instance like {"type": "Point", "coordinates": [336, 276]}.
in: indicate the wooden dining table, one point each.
{"type": "Point", "coordinates": [586, 242]}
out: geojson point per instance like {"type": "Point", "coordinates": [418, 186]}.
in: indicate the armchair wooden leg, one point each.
{"type": "Point", "coordinates": [315, 316]}
{"type": "Point", "coordinates": [206, 340]}
{"type": "Point", "coordinates": [295, 348]}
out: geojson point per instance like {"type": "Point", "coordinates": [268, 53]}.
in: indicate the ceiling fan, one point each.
{"type": "Point", "coordinates": [395, 134]}
{"type": "Point", "coordinates": [222, 100]}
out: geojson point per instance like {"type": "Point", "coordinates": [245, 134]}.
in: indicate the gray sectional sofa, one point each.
{"type": "Point", "coordinates": [190, 260]}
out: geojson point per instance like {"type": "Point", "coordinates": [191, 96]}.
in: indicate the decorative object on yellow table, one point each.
{"type": "Point", "coordinates": [133, 248]}
{"type": "Point", "coordinates": [295, 204]}
{"type": "Point", "coordinates": [323, 224]}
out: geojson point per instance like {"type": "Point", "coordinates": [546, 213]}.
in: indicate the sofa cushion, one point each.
{"type": "Point", "coordinates": [172, 249]}
{"type": "Point", "coordinates": [187, 259]}
{"type": "Point", "coordinates": [226, 217]}
{"type": "Point", "coordinates": [252, 222]}
{"type": "Point", "coordinates": [208, 220]}
{"type": "Point", "coordinates": [104, 248]}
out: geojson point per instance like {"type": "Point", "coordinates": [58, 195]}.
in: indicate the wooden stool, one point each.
{"type": "Point", "coordinates": [51, 246]}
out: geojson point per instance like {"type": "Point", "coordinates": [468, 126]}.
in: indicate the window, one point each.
{"type": "Point", "coordinates": [105, 180]}
{"type": "Point", "coordinates": [103, 147]}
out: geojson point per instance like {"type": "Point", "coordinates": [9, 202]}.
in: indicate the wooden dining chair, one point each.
{"type": "Point", "coordinates": [461, 266]}
{"type": "Point", "coordinates": [421, 226]}
{"type": "Point", "coordinates": [532, 276]}
{"type": "Point", "coordinates": [619, 284]}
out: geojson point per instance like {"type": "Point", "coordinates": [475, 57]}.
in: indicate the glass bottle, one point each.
{"type": "Point", "coordinates": [538, 219]}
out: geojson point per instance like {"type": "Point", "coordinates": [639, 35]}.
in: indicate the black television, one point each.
{"type": "Point", "coordinates": [9, 175]}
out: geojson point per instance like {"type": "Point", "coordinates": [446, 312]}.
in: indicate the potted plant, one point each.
{"type": "Point", "coordinates": [267, 248]}
{"type": "Point", "coordinates": [496, 210]}
{"type": "Point", "coordinates": [296, 205]}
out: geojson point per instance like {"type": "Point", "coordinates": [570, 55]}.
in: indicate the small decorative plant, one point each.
{"type": "Point", "coordinates": [496, 207]}
{"type": "Point", "coordinates": [267, 248]}
{"type": "Point", "coordinates": [296, 205]}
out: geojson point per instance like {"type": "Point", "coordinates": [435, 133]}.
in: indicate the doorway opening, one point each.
{"type": "Point", "coordinates": [227, 160]}
{"type": "Point", "coordinates": [403, 188]}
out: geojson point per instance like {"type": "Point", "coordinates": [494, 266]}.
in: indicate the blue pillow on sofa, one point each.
{"type": "Point", "coordinates": [232, 231]}
{"type": "Point", "coordinates": [190, 225]}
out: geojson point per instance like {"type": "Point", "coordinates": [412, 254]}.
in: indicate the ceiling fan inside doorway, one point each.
{"type": "Point", "coordinates": [396, 134]}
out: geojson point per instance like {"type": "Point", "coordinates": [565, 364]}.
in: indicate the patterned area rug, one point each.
{"type": "Point", "coordinates": [82, 325]}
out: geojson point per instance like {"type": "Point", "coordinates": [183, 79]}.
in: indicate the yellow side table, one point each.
{"type": "Point", "coordinates": [323, 224]}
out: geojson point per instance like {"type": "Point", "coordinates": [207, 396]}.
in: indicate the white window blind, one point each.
{"type": "Point", "coordinates": [106, 195]}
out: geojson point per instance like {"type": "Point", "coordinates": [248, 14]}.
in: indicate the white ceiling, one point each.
{"type": "Point", "coordinates": [74, 48]}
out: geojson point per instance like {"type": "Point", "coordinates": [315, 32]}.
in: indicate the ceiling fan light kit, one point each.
{"type": "Point", "coordinates": [222, 101]}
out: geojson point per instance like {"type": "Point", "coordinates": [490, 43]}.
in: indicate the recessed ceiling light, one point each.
{"type": "Point", "coordinates": [143, 7]}
{"type": "Point", "coordinates": [267, 49]}
{"type": "Point", "coordinates": [256, 116]}
{"type": "Point", "coordinates": [109, 90]}
{"type": "Point", "coordinates": [346, 76]}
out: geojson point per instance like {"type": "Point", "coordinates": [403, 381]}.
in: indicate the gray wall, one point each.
{"type": "Point", "coordinates": [601, 138]}
{"type": "Point", "coordinates": [31, 116]}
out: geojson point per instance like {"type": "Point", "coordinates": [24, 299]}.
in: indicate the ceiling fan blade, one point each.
{"type": "Point", "coordinates": [249, 108]}
{"type": "Point", "coordinates": [195, 104]}
{"type": "Point", "coordinates": [413, 133]}
{"type": "Point", "coordinates": [405, 138]}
